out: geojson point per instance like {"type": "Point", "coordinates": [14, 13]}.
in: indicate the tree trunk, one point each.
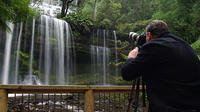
{"type": "Point", "coordinates": [95, 9]}
{"type": "Point", "coordinates": [68, 2]}
{"type": "Point", "coordinates": [65, 6]}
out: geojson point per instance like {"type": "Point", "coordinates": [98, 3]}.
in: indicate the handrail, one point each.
{"type": "Point", "coordinates": [87, 90]}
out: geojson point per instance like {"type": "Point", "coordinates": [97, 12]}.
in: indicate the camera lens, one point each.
{"type": "Point", "coordinates": [138, 39]}
{"type": "Point", "coordinates": [133, 36]}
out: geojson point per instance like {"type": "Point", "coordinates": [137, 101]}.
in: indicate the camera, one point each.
{"type": "Point", "coordinates": [139, 39]}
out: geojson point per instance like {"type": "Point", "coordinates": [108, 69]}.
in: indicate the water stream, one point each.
{"type": "Point", "coordinates": [17, 55]}
{"type": "Point", "coordinates": [7, 53]}
{"type": "Point", "coordinates": [48, 40]}
{"type": "Point", "coordinates": [101, 53]}
{"type": "Point", "coordinates": [42, 51]}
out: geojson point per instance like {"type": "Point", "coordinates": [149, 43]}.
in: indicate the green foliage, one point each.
{"type": "Point", "coordinates": [79, 22]}
{"type": "Point", "coordinates": [116, 62]}
{"type": "Point", "coordinates": [195, 23]}
{"type": "Point", "coordinates": [182, 20]}
{"type": "Point", "coordinates": [124, 56]}
{"type": "Point", "coordinates": [182, 16]}
{"type": "Point", "coordinates": [84, 79]}
{"type": "Point", "coordinates": [108, 13]}
{"type": "Point", "coordinates": [24, 55]}
{"type": "Point", "coordinates": [120, 15]}
{"type": "Point", "coordinates": [24, 62]}
{"type": "Point", "coordinates": [118, 80]}
{"type": "Point", "coordinates": [90, 79]}
{"type": "Point", "coordinates": [88, 8]}
{"type": "Point", "coordinates": [124, 27]}
{"type": "Point", "coordinates": [139, 26]}
{"type": "Point", "coordinates": [134, 10]}
{"type": "Point", "coordinates": [36, 72]}
{"type": "Point", "coordinates": [196, 47]}
{"type": "Point", "coordinates": [14, 11]}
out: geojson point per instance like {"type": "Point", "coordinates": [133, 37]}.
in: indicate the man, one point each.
{"type": "Point", "coordinates": [170, 68]}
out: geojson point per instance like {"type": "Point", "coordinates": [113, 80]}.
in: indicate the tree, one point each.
{"type": "Point", "coordinates": [181, 20]}
{"type": "Point", "coordinates": [108, 13]}
{"type": "Point", "coordinates": [134, 10]}
{"type": "Point", "coordinates": [182, 16]}
{"type": "Point", "coordinates": [88, 8]}
{"type": "Point", "coordinates": [95, 9]}
{"type": "Point", "coordinates": [195, 19]}
{"type": "Point", "coordinates": [65, 7]}
{"type": "Point", "coordinates": [14, 11]}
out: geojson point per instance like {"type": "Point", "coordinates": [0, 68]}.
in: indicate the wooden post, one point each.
{"type": "Point", "coordinates": [89, 101]}
{"type": "Point", "coordinates": [3, 100]}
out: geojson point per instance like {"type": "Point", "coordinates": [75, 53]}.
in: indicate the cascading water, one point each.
{"type": "Point", "coordinates": [41, 51]}
{"type": "Point", "coordinates": [31, 52]}
{"type": "Point", "coordinates": [7, 53]}
{"type": "Point", "coordinates": [101, 53]}
{"type": "Point", "coordinates": [17, 56]}
{"type": "Point", "coordinates": [51, 7]}
{"type": "Point", "coordinates": [47, 60]}
{"type": "Point", "coordinates": [58, 55]}
{"type": "Point", "coordinates": [116, 53]}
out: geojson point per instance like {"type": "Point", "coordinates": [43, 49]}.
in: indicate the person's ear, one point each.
{"type": "Point", "coordinates": [150, 36]}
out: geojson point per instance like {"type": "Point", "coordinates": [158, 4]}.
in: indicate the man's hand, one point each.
{"type": "Point", "coordinates": [133, 53]}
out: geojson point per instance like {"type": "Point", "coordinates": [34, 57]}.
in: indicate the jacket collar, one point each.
{"type": "Point", "coordinates": [163, 34]}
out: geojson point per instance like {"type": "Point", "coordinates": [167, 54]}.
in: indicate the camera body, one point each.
{"type": "Point", "coordinates": [139, 39]}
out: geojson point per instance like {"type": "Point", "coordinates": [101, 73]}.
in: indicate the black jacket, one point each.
{"type": "Point", "coordinates": [171, 70]}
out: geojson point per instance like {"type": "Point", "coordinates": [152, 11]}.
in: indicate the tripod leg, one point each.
{"type": "Point", "coordinates": [131, 96]}
{"type": "Point", "coordinates": [143, 95]}
{"type": "Point", "coordinates": [135, 105]}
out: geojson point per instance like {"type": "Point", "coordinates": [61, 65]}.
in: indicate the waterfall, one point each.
{"type": "Point", "coordinates": [100, 55]}
{"type": "Point", "coordinates": [104, 55]}
{"type": "Point", "coordinates": [51, 7]}
{"type": "Point", "coordinates": [42, 51]}
{"type": "Point", "coordinates": [105, 58]}
{"type": "Point", "coordinates": [47, 56]}
{"type": "Point", "coordinates": [32, 48]}
{"type": "Point", "coordinates": [57, 55]}
{"type": "Point", "coordinates": [100, 63]}
{"type": "Point", "coordinates": [70, 54]}
{"type": "Point", "coordinates": [59, 25]}
{"type": "Point", "coordinates": [17, 56]}
{"type": "Point", "coordinates": [116, 54]}
{"type": "Point", "coordinates": [6, 63]}
{"type": "Point", "coordinates": [47, 51]}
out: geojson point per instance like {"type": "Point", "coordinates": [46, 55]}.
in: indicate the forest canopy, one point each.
{"type": "Point", "coordinates": [14, 11]}
{"type": "Point", "coordinates": [182, 16]}
{"type": "Point", "coordinates": [124, 16]}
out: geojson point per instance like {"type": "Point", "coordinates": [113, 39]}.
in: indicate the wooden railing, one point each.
{"type": "Point", "coordinates": [101, 98]}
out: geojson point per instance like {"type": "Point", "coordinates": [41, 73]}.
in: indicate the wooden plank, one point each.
{"type": "Point", "coordinates": [63, 89]}
{"type": "Point", "coordinates": [3, 100]}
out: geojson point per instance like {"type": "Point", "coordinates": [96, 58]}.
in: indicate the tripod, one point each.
{"type": "Point", "coordinates": [135, 104]}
